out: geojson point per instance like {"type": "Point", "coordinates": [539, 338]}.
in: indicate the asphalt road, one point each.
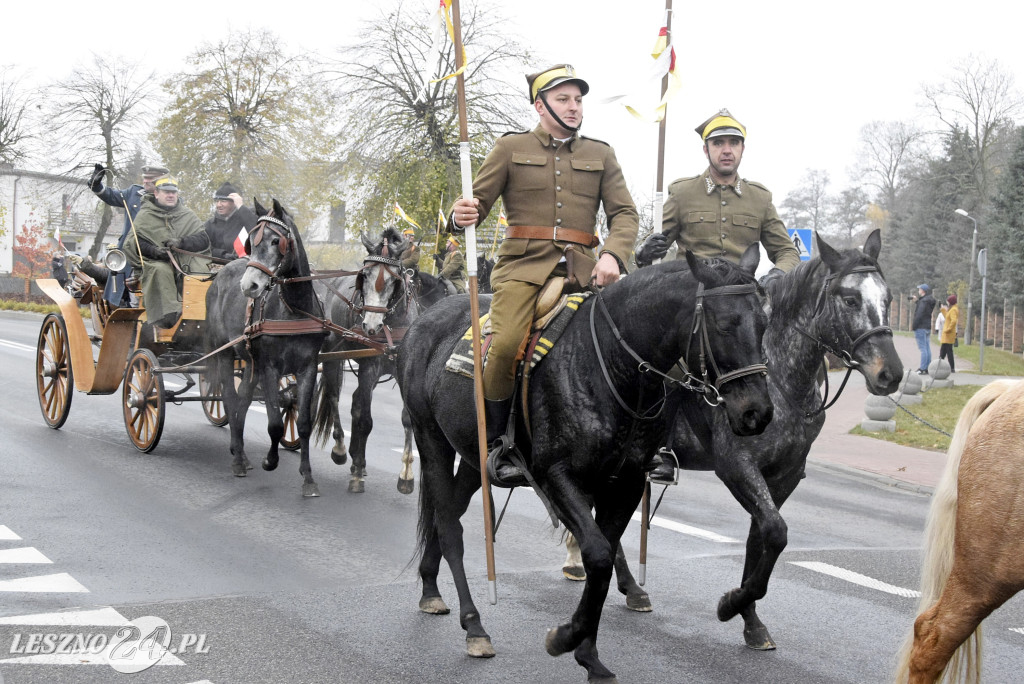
{"type": "Point", "coordinates": [282, 589]}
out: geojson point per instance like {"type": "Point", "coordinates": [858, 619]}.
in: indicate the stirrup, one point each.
{"type": "Point", "coordinates": [499, 449]}
{"type": "Point", "coordinates": [668, 460]}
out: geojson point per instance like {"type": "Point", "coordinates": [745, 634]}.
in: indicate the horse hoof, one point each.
{"type": "Point", "coordinates": [269, 465]}
{"type": "Point", "coordinates": [552, 643]}
{"type": "Point", "coordinates": [310, 490]}
{"type": "Point", "coordinates": [576, 573]}
{"type": "Point", "coordinates": [238, 469]}
{"type": "Point", "coordinates": [434, 605]}
{"type": "Point", "coordinates": [758, 639]}
{"type": "Point", "coordinates": [246, 463]}
{"type": "Point", "coordinates": [406, 486]}
{"type": "Point", "coordinates": [726, 610]}
{"type": "Point", "coordinates": [641, 602]}
{"type": "Point", "coordinates": [479, 647]}
{"type": "Point", "coordinates": [356, 486]}
{"type": "Point", "coordinates": [603, 680]}
{"type": "Point", "coordinates": [339, 457]}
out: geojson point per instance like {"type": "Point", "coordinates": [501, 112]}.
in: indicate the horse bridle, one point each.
{"type": "Point", "coordinates": [826, 307]}
{"type": "Point", "coordinates": [277, 227]}
{"type": "Point", "coordinates": [393, 267]}
{"type": "Point", "coordinates": [709, 390]}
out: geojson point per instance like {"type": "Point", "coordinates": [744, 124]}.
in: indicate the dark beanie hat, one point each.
{"type": "Point", "coordinates": [224, 190]}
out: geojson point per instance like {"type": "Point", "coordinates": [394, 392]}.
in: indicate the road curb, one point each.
{"type": "Point", "coordinates": [876, 478]}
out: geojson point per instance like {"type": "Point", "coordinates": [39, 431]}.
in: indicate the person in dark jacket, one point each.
{"type": "Point", "coordinates": [129, 199]}
{"type": "Point", "coordinates": [230, 217]}
{"type": "Point", "coordinates": [922, 325]}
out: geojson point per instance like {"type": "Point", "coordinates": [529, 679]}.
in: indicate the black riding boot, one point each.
{"type": "Point", "coordinates": [662, 466]}
{"type": "Point", "coordinates": [500, 468]}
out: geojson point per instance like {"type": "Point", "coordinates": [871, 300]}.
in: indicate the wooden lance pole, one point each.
{"type": "Point", "coordinates": [659, 202]}
{"type": "Point", "coordinates": [474, 307]}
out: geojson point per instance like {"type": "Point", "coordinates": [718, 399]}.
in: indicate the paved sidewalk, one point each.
{"type": "Point", "coordinates": [906, 467]}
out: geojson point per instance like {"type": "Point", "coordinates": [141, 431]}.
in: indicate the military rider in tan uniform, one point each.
{"type": "Point", "coordinates": [719, 214]}
{"type": "Point", "coordinates": [552, 181]}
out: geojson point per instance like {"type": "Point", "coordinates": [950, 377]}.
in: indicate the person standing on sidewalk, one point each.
{"type": "Point", "coordinates": [948, 336]}
{"type": "Point", "coordinates": [922, 325]}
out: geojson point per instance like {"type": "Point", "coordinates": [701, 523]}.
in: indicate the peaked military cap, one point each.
{"type": "Point", "coordinates": [154, 171]}
{"type": "Point", "coordinates": [722, 123]}
{"type": "Point", "coordinates": [551, 77]}
{"type": "Point", "coordinates": [167, 183]}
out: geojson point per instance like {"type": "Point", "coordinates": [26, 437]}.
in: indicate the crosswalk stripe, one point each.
{"type": "Point", "coordinates": [80, 659]}
{"type": "Point", "coordinates": [687, 530]}
{"type": "Point", "coordinates": [100, 617]}
{"type": "Point", "coordinates": [16, 345]}
{"type": "Point", "coordinates": [856, 578]}
{"type": "Point", "coordinates": [27, 554]}
{"type": "Point", "coordinates": [7, 535]}
{"type": "Point", "coordinates": [60, 582]}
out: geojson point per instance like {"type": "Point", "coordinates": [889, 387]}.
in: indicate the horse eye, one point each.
{"type": "Point", "coordinates": [851, 302]}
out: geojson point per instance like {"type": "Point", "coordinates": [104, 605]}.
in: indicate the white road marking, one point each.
{"type": "Point", "coordinates": [688, 530]}
{"type": "Point", "coordinates": [7, 535]}
{"type": "Point", "coordinates": [87, 658]}
{"type": "Point", "coordinates": [1018, 630]}
{"type": "Point", "coordinates": [102, 617]}
{"type": "Point", "coordinates": [60, 582]}
{"type": "Point", "coordinates": [17, 345]}
{"type": "Point", "coordinates": [27, 554]}
{"type": "Point", "coordinates": [856, 578]}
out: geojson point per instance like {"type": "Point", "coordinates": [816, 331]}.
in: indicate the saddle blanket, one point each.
{"type": "Point", "coordinates": [461, 359]}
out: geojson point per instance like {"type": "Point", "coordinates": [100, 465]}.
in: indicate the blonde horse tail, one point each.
{"type": "Point", "coordinates": [939, 532]}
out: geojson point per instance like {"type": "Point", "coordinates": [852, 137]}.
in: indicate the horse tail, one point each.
{"type": "Point", "coordinates": [323, 423]}
{"type": "Point", "coordinates": [939, 534]}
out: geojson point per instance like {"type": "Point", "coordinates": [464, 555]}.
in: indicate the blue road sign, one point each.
{"type": "Point", "coordinates": [802, 240]}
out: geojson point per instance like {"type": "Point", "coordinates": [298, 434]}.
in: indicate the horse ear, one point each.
{"type": "Point", "coordinates": [828, 254]}
{"type": "Point", "coordinates": [278, 209]}
{"type": "Point", "coordinates": [873, 245]}
{"type": "Point", "coordinates": [366, 243]}
{"type": "Point", "coordinates": [260, 210]}
{"type": "Point", "coordinates": [698, 268]}
{"type": "Point", "coordinates": [751, 258]}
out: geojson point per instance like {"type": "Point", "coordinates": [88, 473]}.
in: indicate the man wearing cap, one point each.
{"type": "Point", "coordinates": [129, 199]}
{"type": "Point", "coordinates": [410, 256]}
{"type": "Point", "coordinates": [230, 217]}
{"type": "Point", "coordinates": [163, 223]}
{"type": "Point", "coordinates": [553, 182]}
{"type": "Point", "coordinates": [454, 266]}
{"type": "Point", "coordinates": [922, 325]}
{"type": "Point", "coordinates": [718, 214]}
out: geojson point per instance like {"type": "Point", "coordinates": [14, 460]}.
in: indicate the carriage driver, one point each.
{"type": "Point", "coordinates": [552, 181]}
{"type": "Point", "coordinates": [718, 214]}
{"type": "Point", "coordinates": [164, 223]}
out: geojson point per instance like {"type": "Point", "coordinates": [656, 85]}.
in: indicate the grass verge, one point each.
{"type": "Point", "coordinates": [939, 407]}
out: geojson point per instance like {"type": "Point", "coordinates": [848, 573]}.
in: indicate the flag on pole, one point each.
{"type": "Point", "coordinates": [56, 236]}
{"type": "Point", "coordinates": [442, 21]}
{"type": "Point", "coordinates": [664, 55]}
{"type": "Point", "coordinates": [239, 243]}
{"type": "Point", "coordinates": [405, 217]}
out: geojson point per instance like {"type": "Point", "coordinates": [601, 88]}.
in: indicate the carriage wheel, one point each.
{"type": "Point", "coordinates": [142, 398]}
{"type": "Point", "coordinates": [214, 408]}
{"type": "Point", "coordinates": [55, 381]}
{"type": "Point", "coordinates": [289, 413]}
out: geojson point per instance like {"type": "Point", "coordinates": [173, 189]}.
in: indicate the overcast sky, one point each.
{"type": "Point", "coordinates": [804, 76]}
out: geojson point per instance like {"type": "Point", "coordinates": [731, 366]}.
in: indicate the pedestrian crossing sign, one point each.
{"type": "Point", "coordinates": [802, 240]}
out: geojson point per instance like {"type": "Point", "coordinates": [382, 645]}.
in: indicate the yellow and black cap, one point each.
{"type": "Point", "coordinates": [168, 183]}
{"type": "Point", "coordinates": [551, 77]}
{"type": "Point", "coordinates": [722, 123]}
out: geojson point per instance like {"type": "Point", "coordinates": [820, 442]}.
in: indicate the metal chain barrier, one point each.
{"type": "Point", "coordinates": [919, 418]}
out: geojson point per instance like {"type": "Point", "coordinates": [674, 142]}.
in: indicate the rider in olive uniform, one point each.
{"type": "Point", "coordinates": [552, 181]}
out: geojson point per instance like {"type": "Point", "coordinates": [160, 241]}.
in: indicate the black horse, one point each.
{"type": "Point", "coordinates": [380, 301]}
{"type": "Point", "coordinates": [837, 302]}
{"type": "Point", "coordinates": [277, 255]}
{"type": "Point", "coordinates": [594, 415]}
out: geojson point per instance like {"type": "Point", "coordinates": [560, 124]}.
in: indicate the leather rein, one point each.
{"type": "Point", "coordinates": [825, 309]}
{"type": "Point", "coordinates": [710, 390]}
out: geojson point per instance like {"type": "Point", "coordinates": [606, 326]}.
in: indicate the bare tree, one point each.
{"type": "Point", "coordinates": [13, 122]}
{"type": "Point", "coordinates": [100, 112]}
{"type": "Point", "coordinates": [402, 141]}
{"type": "Point", "coordinates": [808, 204]}
{"type": "Point", "coordinates": [887, 149]}
{"type": "Point", "coordinates": [979, 97]}
{"type": "Point", "coordinates": [848, 213]}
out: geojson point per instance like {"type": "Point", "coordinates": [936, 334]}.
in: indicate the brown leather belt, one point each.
{"type": "Point", "coordinates": [557, 233]}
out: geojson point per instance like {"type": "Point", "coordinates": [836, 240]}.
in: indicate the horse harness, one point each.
{"type": "Point", "coordinates": [826, 307]}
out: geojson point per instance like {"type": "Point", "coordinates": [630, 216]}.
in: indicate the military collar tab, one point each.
{"type": "Point", "coordinates": [711, 185]}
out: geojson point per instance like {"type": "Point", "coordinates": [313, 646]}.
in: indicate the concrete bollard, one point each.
{"type": "Point", "coordinates": [909, 389]}
{"type": "Point", "coordinates": [879, 412]}
{"type": "Point", "coordinates": [939, 370]}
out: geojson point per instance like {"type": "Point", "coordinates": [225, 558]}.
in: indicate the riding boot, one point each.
{"type": "Point", "coordinates": [661, 466]}
{"type": "Point", "coordinates": [500, 468]}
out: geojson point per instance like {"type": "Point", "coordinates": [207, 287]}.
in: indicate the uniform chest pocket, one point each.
{"type": "Point", "coordinates": [529, 171]}
{"type": "Point", "coordinates": [746, 225]}
{"type": "Point", "coordinates": [586, 177]}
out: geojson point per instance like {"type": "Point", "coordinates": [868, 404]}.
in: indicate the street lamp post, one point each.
{"type": "Point", "coordinates": [970, 280]}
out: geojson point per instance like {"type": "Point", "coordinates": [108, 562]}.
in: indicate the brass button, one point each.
{"type": "Point", "coordinates": [558, 188]}
{"type": "Point", "coordinates": [559, 205]}
{"type": "Point", "coordinates": [558, 159]}
{"type": "Point", "coordinates": [558, 173]}
{"type": "Point", "coordinates": [723, 219]}
{"type": "Point", "coordinates": [558, 220]}
{"type": "Point", "coordinates": [723, 203]}
{"type": "Point", "coordinates": [723, 234]}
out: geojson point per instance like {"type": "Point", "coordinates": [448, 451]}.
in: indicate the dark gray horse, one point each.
{"type": "Point", "coordinates": [277, 255]}
{"type": "Point", "coordinates": [837, 302]}
{"type": "Point", "coordinates": [594, 415]}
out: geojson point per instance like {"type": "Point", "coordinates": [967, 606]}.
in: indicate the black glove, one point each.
{"type": "Point", "coordinates": [151, 251]}
{"type": "Point", "coordinates": [199, 242]}
{"type": "Point", "coordinates": [172, 243]}
{"type": "Point", "coordinates": [96, 179]}
{"type": "Point", "coordinates": [655, 247]}
{"type": "Point", "coordinates": [769, 276]}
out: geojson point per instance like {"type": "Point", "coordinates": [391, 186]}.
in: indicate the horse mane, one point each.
{"type": "Point", "coordinates": [789, 288]}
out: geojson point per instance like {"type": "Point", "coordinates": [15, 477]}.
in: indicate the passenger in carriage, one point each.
{"type": "Point", "coordinates": [163, 224]}
{"type": "Point", "coordinates": [719, 214]}
{"type": "Point", "coordinates": [552, 181]}
{"type": "Point", "coordinates": [230, 218]}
